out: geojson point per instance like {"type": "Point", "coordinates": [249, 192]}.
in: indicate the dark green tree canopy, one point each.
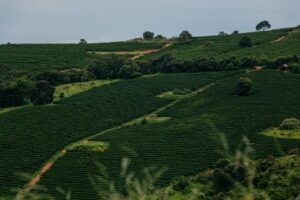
{"type": "Point", "coordinates": [264, 25]}
{"type": "Point", "coordinates": [222, 33]}
{"type": "Point", "coordinates": [82, 41]}
{"type": "Point", "coordinates": [160, 37]}
{"type": "Point", "coordinates": [43, 93]}
{"type": "Point", "coordinates": [185, 35]}
{"type": "Point", "coordinates": [244, 86]}
{"type": "Point", "coordinates": [148, 35]}
{"type": "Point", "coordinates": [245, 42]}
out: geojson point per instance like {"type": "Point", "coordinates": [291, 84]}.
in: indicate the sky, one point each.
{"type": "Point", "coordinates": [55, 21]}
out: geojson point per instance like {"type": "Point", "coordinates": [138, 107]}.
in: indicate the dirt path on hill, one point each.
{"type": "Point", "coordinates": [135, 54]}
{"type": "Point", "coordinates": [49, 164]}
{"type": "Point", "coordinates": [151, 51]}
{"type": "Point", "coordinates": [283, 37]}
{"type": "Point", "coordinates": [279, 39]}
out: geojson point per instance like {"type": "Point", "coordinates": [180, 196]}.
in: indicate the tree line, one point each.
{"type": "Point", "coordinates": [23, 91]}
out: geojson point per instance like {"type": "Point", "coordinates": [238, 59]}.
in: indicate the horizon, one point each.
{"type": "Point", "coordinates": [33, 21]}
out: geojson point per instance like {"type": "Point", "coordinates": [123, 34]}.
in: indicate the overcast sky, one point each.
{"type": "Point", "coordinates": [45, 21]}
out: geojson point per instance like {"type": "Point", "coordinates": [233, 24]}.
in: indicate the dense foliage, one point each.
{"type": "Point", "coordinates": [268, 178]}
{"type": "Point", "coordinates": [42, 93]}
{"type": "Point", "coordinates": [264, 25]}
{"type": "Point", "coordinates": [185, 35]}
{"type": "Point", "coordinates": [244, 86]}
{"type": "Point", "coordinates": [114, 67]}
{"type": "Point", "coordinates": [148, 35]}
{"type": "Point", "coordinates": [245, 42]}
{"type": "Point", "coordinates": [23, 91]}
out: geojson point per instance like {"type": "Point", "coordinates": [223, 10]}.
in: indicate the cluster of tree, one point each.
{"type": "Point", "coordinates": [148, 35]}
{"type": "Point", "coordinates": [119, 67]}
{"type": "Point", "coordinates": [274, 64]}
{"type": "Point", "coordinates": [114, 66]}
{"type": "Point", "coordinates": [24, 91]}
{"type": "Point", "coordinates": [269, 178]}
{"type": "Point", "coordinates": [168, 64]}
{"type": "Point", "coordinates": [223, 33]}
{"type": "Point", "coordinates": [55, 77]}
{"type": "Point", "coordinates": [183, 36]}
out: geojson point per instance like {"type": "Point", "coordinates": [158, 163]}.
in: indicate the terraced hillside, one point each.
{"type": "Point", "coordinates": [287, 45]}
{"type": "Point", "coordinates": [60, 56]}
{"type": "Point", "coordinates": [265, 46]}
{"type": "Point", "coordinates": [182, 121]}
{"type": "Point", "coordinates": [30, 136]}
{"type": "Point", "coordinates": [36, 57]}
{"type": "Point", "coordinates": [199, 130]}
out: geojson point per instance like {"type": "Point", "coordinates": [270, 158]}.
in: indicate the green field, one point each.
{"type": "Point", "coordinates": [288, 46]}
{"type": "Point", "coordinates": [201, 130]}
{"type": "Point", "coordinates": [37, 57]}
{"type": "Point", "coordinates": [182, 121]}
{"type": "Point", "coordinates": [226, 46]}
{"type": "Point", "coordinates": [32, 135]}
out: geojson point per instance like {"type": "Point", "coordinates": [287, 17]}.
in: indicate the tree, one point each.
{"type": "Point", "coordinates": [159, 37]}
{"type": "Point", "coordinates": [129, 71]}
{"type": "Point", "coordinates": [290, 124]}
{"type": "Point", "coordinates": [235, 32]}
{"type": "Point", "coordinates": [148, 35]}
{"type": "Point", "coordinates": [245, 42]}
{"type": "Point", "coordinates": [244, 86]}
{"type": "Point", "coordinates": [222, 33]}
{"type": "Point", "coordinates": [295, 68]}
{"type": "Point", "coordinates": [249, 62]}
{"type": "Point", "coordinates": [42, 93]}
{"type": "Point", "coordinates": [107, 67]}
{"type": "Point", "coordinates": [264, 25]}
{"type": "Point", "coordinates": [82, 41]}
{"type": "Point", "coordinates": [222, 181]}
{"type": "Point", "coordinates": [185, 35]}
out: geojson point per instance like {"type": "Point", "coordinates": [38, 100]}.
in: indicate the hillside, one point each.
{"type": "Point", "coordinates": [36, 139]}
{"type": "Point", "coordinates": [265, 46]}
{"type": "Point", "coordinates": [37, 57]}
{"type": "Point", "coordinates": [201, 130]}
{"type": "Point", "coordinates": [66, 109]}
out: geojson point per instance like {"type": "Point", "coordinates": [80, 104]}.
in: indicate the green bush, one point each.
{"type": "Point", "coordinates": [222, 181]}
{"type": "Point", "coordinates": [43, 93]}
{"type": "Point", "coordinates": [295, 68]}
{"type": "Point", "coordinates": [181, 184]}
{"type": "Point", "coordinates": [290, 124]}
{"type": "Point", "coordinates": [244, 86]}
{"type": "Point", "coordinates": [245, 42]}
